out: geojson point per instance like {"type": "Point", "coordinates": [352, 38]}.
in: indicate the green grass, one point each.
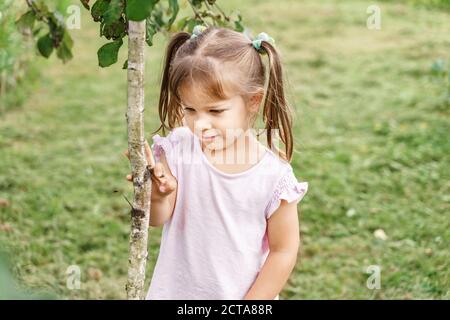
{"type": "Point", "coordinates": [371, 139]}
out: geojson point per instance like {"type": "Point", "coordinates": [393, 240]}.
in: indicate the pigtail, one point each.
{"type": "Point", "coordinates": [276, 112]}
{"type": "Point", "coordinates": [165, 99]}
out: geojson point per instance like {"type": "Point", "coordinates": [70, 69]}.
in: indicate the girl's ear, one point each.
{"type": "Point", "coordinates": [255, 101]}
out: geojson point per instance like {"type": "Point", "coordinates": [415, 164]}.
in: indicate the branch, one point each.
{"type": "Point", "coordinates": [197, 14]}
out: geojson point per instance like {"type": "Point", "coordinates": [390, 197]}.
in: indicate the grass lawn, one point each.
{"type": "Point", "coordinates": [371, 138]}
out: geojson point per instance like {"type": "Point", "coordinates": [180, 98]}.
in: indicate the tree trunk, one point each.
{"type": "Point", "coordinates": [140, 211]}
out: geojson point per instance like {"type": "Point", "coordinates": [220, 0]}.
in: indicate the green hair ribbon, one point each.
{"type": "Point", "coordinates": [198, 29]}
{"type": "Point", "coordinates": [260, 38]}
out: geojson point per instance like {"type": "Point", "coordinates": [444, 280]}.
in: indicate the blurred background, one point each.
{"type": "Point", "coordinates": [371, 138]}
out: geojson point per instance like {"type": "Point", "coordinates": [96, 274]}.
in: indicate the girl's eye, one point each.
{"type": "Point", "coordinates": [217, 111]}
{"type": "Point", "coordinates": [189, 109]}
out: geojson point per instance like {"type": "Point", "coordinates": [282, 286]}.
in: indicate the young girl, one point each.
{"type": "Point", "coordinates": [227, 202]}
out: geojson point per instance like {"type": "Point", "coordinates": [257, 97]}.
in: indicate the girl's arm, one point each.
{"type": "Point", "coordinates": [284, 241]}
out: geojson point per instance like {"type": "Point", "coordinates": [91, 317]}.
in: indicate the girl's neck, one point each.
{"type": "Point", "coordinates": [245, 150]}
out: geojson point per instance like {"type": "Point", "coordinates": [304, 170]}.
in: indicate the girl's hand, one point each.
{"type": "Point", "coordinates": [164, 181]}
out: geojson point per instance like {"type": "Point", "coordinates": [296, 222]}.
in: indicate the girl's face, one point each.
{"type": "Point", "coordinates": [218, 124]}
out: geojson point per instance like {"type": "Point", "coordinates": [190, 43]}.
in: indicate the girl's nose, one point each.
{"type": "Point", "coordinates": [201, 125]}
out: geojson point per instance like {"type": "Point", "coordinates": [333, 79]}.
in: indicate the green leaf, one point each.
{"type": "Point", "coordinates": [114, 11]}
{"type": "Point", "coordinates": [138, 10]}
{"type": "Point", "coordinates": [174, 8]}
{"type": "Point", "coordinates": [107, 54]}
{"type": "Point", "coordinates": [98, 9]}
{"type": "Point", "coordinates": [26, 21]}
{"type": "Point", "coordinates": [125, 64]}
{"type": "Point", "coordinates": [114, 30]}
{"type": "Point", "coordinates": [64, 51]}
{"type": "Point", "coordinates": [158, 16]}
{"type": "Point", "coordinates": [45, 45]}
{"type": "Point", "coordinates": [182, 23]}
{"type": "Point", "coordinates": [67, 40]}
{"type": "Point", "coordinates": [150, 30]}
{"type": "Point", "coordinates": [238, 26]}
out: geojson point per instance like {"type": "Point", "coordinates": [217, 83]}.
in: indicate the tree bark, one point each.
{"type": "Point", "coordinates": [140, 211]}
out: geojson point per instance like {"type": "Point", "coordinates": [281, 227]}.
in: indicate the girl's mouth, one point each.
{"type": "Point", "coordinates": [208, 138]}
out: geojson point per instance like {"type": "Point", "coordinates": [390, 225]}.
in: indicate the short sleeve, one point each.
{"type": "Point", "coordinates": [289, 189]}
{"type": "Point", "coordinates": [170, 146]}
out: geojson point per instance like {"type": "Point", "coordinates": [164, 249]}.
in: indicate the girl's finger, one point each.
{"type": "Point", "coordinates": [155, 180]}
{"type": "Point", "coordinates": [159, 172]}
{"type": "Point", "coordinates": [155, 174]}
{"type": "Point", "coordinates": [129, 177]}
{"type": "Point", "coordinates": [126, 154]}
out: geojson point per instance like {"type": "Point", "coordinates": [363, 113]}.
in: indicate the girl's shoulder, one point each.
{"type": "Point", "coordinates": [175, 135]}
{"type": "Point", "coordinates": [275, 162]}
{"type": "Point", "coordinates": [285, 185]}
{"type": "Point", "coordinates": [172, 140]}
{"type": "Point", "coordinates": [171, 146]}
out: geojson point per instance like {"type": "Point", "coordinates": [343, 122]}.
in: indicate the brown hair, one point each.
{"type": "Point", "coordinates": [205, 60]}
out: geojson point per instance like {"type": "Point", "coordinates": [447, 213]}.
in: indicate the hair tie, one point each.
{"type": "Point", "coordinates": [260, 38]}
{"type": "Point", "coordinates": [198, 29]}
